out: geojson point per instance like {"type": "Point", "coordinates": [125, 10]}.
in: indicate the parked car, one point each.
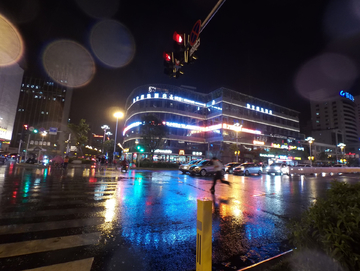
{"type": "Point", "coordinates": [278, 168]}
{"type": "Point", "coordinates": [203, 168]}
{"type": "Point", "coordinates": [184, 168]}
{"type": "Point", "coordinates": [247, 169]}
{"type": "Point", "coordinates": [229, 167]}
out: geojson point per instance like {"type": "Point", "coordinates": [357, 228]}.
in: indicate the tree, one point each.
{"type": "Point", "coordinates": [152, 132]}
{"type": "Point", "coordinates": [109, 146]}
{"type": "Point", "coordinates": [79, 132]}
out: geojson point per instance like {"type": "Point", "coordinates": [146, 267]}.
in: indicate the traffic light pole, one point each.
{"type": "Point", "coordinates": [27, 147]}
{"type": "Point", "coordinates": [211, 14]}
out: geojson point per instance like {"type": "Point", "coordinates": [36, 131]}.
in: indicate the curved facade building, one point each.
{"type": "Point", "coordinates": [203, 125]}
{"type": "Point", "coordinates": [334, 119]}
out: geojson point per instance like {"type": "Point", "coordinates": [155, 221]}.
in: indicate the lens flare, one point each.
{"type": "Point", "coordinates": [112, 43]}
{"type": "Point", "coordinates": [11, 44]}
{"type": "Point", "coordinates": [328, 73]}
{"type": "Point", "coordinates": [68, 63]}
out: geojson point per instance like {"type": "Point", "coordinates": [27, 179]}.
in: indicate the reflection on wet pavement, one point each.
{"type": "Point", "coordinates": [147, 219]}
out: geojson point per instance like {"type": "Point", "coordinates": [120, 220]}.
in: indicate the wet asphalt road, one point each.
{"type": "Point", "coordinates": [144, 219]}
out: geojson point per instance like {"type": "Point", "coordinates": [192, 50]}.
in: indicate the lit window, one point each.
{"type": "Point", "coordinates": [64, 90]}
{"type": "Point", "coordinates": [63, 100]}
{"type": "Point", "coordinates": [318, 113]}
{"type": "Point", "coordinates": [148, 95]}
{"type": "Point", "coordinates": [22, 85]}
{"type": "Point", "coordinates": [36, 96]}
{"type": "Point", "coordinates": [142, 96]}
{"type": "Point", "coordinates": [19, 109]}
{"type": "Point", "coordinates": [164, 96]}
{"type": "Point", "coordinates": [54, 99]}
{"type": "Point", "coordinates": [32, 86]}
{"type": "Point", "coordinates": [156, 95]}
{"type": "Point", "coordinates": [47, 113]}
{"type": "Point", "coordinates": [42, 112]}
{"type": "Point", "coordinates": [22, 90]}
{"type": "Point", "coordinates": [134, 100]}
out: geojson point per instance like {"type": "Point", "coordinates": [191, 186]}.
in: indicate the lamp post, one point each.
{"type": "Point", "coordinates": [342, 146]}
{"type": "Point", "coordinates": [117, 115]}
{"type": "Point", "coordinates": [237, 129]}
{"type": "Point", "coordinates": [310, 140]}
{"type": "Point", "coordinates": [104, 127]}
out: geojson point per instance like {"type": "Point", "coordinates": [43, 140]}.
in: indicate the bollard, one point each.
{"type": "Point", "coordinates": [204, 235]}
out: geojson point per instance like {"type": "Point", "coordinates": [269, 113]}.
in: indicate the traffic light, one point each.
{"type": "Point", "coordinates": [168, 63]}
{"type": "Point", "coordinates": [35, 131]}
{"type": "Point", "coordinates": [26, 126]}
{"type": "Point", "coordinates": [180, 50]}
{"type": "Point", "coordinates": [140, 148]}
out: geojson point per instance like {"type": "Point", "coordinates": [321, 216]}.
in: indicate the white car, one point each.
{"type": "Point", "coordinates": [278, 168]}
{"type": "Point", "coordinates": [247, 169]}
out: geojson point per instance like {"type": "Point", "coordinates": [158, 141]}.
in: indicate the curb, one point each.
{"type": "Point", "coordinates": [268, 262]}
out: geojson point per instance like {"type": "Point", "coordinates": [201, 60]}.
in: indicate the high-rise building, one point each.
{"type": "Point", "coordinates": [10, 82]}
{"type": "Point", "coordinates": [202, 125]}
{"type": "Point", "coordinates": [44, 105]}
{"type": "Point", "coordinates": [334, 119]}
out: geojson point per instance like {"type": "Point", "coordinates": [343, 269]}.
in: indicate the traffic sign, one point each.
{"type": "Point", "coordinates": [42, 129]}
{"type": "Point", "coordinates": [195, 32]}
{"type": "Point", "coordinates": [31, 128]}
{"type": "Point", "coordinates": [53, 130]}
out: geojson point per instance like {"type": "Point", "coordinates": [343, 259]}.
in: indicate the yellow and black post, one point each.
{"type": "Point", "coordinates": [204, 235]}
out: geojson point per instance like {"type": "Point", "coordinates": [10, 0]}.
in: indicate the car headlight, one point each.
{"type": "Point", "coordinates": [242, 168]}
{"type": "Point", "coordinates": [197, 169]}
{"type": "Point", "coordinates": [267, 168]}
{"type": "Point", "coordinates": [277, 168]}
{"type": "Point", "coordinates": [185, 167]}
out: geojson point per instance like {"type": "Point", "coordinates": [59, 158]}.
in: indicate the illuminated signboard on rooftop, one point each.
{"type": "Point", "coordinates": [346, 95]}
{"type": "Point", "coordinates": [259, 109]}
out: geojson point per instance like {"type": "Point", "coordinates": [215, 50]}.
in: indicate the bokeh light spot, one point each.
{"type": "Point", "coordinates": [68, 63]}
{"type": "Point", "coordinates": [99, 8]}
{"type": "Point", "coordinates": [328, 73]}
{"type": "Point", "coordinates": [11, 45]}
{"type": "Point", "coordinates": [112, 43]}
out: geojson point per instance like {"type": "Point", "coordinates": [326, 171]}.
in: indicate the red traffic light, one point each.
{"type": "Point", "coordinates": [25, 126]}
{"type": "Point", "coordinates": [167, 56]}
{"type": "Point", "coordinates": [178, 38]}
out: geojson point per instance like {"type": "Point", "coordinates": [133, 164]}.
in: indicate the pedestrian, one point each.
{"type": "Point", "coordinates": [218, 174]}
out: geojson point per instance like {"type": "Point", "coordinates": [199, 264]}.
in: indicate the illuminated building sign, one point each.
{"type": "Point", "coordinates": [297, 158]}
{"type": "Point", "coordinates": [153, 95]}
{"type": "Point", "coordinates": [255, 142]}
{"type": "Point", "coordinates": [199, 128]}
{"type": "Point", "coordinates": [240, 129]}
{"type": "Point", "coordinates": [181, 152]}
{"type": "Point", "coordinates": [259, 109]}
{"type": "Point", "coordinates": [267, 155]}
{"type": "Point", "coordinates": [126, 150]}
{"type": "Point", "coordinates": [196, 153]}
{"type": "Point", "coordinates": [292, 147]}
{"type": "Point", "coordinates": [275, 145]}
{"type": "Point", "coordinates": [300, 148]}
{"type": "Point", "coordinates": [163, 151]}
{"type": "Point", "coordinates": [98, 135]}
{"type": "Point", "coordinates": [346, 95]}
{"type": "Point", "coordinates": [132, 125]}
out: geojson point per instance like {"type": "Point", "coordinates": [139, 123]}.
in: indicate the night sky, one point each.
{"type": "Point", "coordinates": [277, 50]}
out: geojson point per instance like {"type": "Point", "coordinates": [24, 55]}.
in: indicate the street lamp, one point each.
{"type": "Point", "coordinates": [117, 115]}
{"type": "Point", "coordinates": [310, 140]}
{"type": "Point", "coordinates": [237, 129]}
{"type": "Point", "coordinates": [104, 127]}
{"type": "Point", "coordinates": [342, 146]}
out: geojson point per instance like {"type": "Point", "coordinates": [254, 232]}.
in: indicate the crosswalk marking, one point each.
{"type": "Point", "coordinates": [81, 265]}
{"type": "Point", "coordinates": [34, 246]}
{"type": "Point", "coordinates": [54, 225]}
{"type": "Point", "coordinates": [54, 212]}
